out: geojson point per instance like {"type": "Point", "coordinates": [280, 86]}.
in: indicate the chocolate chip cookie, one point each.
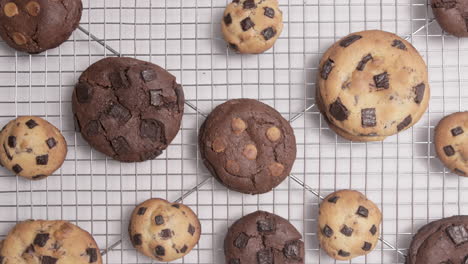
{"type": "Point", "coordinates": [34, 26]}
{"type": "Point", "coordinates": [164, 231]}
{"type": "Point", "coordinates": [248, 146]}
{"type": "Point", "coordinates": [252, 26]}
{"type": "Point", "coordinates": [263, 238]}
{"type": "Point", "coordinates": [32, 147]}
{"type": "Point", "coordinates": [128, 109]}
{"type": "Point", "coordinates": [442, 241]}
{"type": "Point", "coordinates": [452, 16]}
{"type": "Point", "coordinates": [372, 84]}
{"type": "Point", "coordinates": [348, 225]}
{"type": "Point", "coordinates": [451, 142]}
{"type": "Point", "coordinates": [49, 242]}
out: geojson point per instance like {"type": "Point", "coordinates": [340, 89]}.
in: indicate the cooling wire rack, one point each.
{"type": "Point", "coordinates": [401, 175]}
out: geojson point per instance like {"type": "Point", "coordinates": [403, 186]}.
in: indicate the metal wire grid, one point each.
{"type": "Point", "coordinates": [402, 174]}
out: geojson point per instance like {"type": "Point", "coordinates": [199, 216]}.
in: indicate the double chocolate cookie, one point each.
{"type": "Point", "coordinates": [372, 84]}
{"type": "Point", "coordinates": [248, 146]}
{"type": "Point", "coordinates": [263, 238]}
{"type": "Point", "coordinates": [441, 242]}
{"type": "Point", "coordinates": [128, 109]}
{"type": "Point", "coordinates": [34, 26]}
{"type": "Point", "coordinates": [452, 16]}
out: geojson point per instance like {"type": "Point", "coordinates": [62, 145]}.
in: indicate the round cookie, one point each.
{"type": "Point", "coordinates": [452, 16]}
{"type": "Point", "coordinates": [252, 26]}
{"type": "Point", "coordinates": [451, 142]}
{"type": "Point", "coordinates": [164, 231]}
{"type": "Point", "coordinates": [248, 146]}
{"type": "Point", "coordinates": [49, 242]}
{"type": "Point", "coordinates": [128, 109]}
{"type": "Point", "coordinates": [348, 225]}
{"type": "Point", "coordinates": [31, 147]}
{"type": "Point", "coordinates": [263, 238]}
{"type": "Point", "coordinates": [441, 241]}
{"type": "Point", "coordinates": [372, 84]}
{"type": "Point", "coordinates": [34, 26]}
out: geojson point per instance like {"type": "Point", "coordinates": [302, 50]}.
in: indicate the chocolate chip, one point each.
{"type": "Point", "coordinates": [7, 153]}
{"type": "Point", "coordinates": [93, 128]}
{"type": "Point", "coordinates": [333, 199]}
{"type": "Point", "coordinates": [92, 253]}
{"type": "Point", "coordinates": [148, 75]}
{"type": "Point", "coordinates": [347, 231]}
{"type": "Point", "coordinates": [267, 225]}
{"type": "Point", "coordinates": [228, 19]}
{"type": "Point", "coordinates": [405, 123]}
{"type": "Point", "coordinates": [155, 97]}
{"type": "Point", "coordinates": [327, 68]}
{"type": "Point", "coordinates": [165, 234]}
{"type": "Point", "coordinates": [31, 124]}
{"type": "Point", "coordinates": [48, 260]}
{"type": "Point", "coordinates": [373, 230]}
{"type": "Point", "coordinates": [399, 44]}
{"type": "Point", "coordinates": [84, 92]}
{"type": "Point", "coordinates": [176, 206]}
{"type": "Point", "coordinates": [349, 40]}
{"type": "Point", "coordinates": [118, 80]}
{"type": "Point", "coordinates": [269, 12]}
{"type": "Point", "coordinates": [184, 249]}
{"type": "Point", "coordinates": [382, 81]}
{"type": "Point", "coordinates": [12, 141]}
{"type": "Point", "coordinates": [234, 261]}
{"type": "Point", "coordinates": [159, 219]}
{"type": "Point", "coordinates": [137, 240]}
{"type": "Point", "coordinates": [41, 239]}
{"type": "Point", "coordinates": [17, 169]}
{"type": "Point", "coordinates": [458, 234]}
{"type": "Point", "coordinates": [419, 92]}
{"type": "Point", "coordinates": [363, 62]}
{"type": "Point", "coordinates": [368, 117]}
{"type": "Point", "coordinates": [42, 160]}
{"type": "Point", "coordinates": [265, 256]}
{"type": "Point", "coordinates": [160, 251]}
{"type": "Point", "coordinates": [120, 145]}
{"type": "Point", "coordinates": [367, 246]}
{"type": "Point", "coordinates": [449, 150]}
{"type": "Point", "coordinates": [457, 131]}
{"type": "Point", "coordinates": [241, 240]}
{"type": "Point", "coordinates": [250, 4]}
{"type": "Point", "coordinates": [142, 210]}
{"type": "Point", "coordinates": [362, 211]}
{"type": "Point", "coordinates": [247, 23]}
{"type": "Point", "coordinates": [343, 253]}
{"type": "Point", "coordinates": [191, 229]}
{"type": "Point", "coordinates": [338, 110]}
{"type": "Point", "coordinates": [292, 250]}
{"type": "Point", "coordinates": [459, 171]}
{"type": "Point", "coordinates": [327, 231]}
{"type": "Point", "coordinates": [51, 143]}
{"type": "Point", "coordinates": [153, 130]}
{"type": "Point", "coordinates": [119, 112]}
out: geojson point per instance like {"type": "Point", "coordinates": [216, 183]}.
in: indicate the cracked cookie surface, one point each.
{"type": "Point", "coordinates": [263, 238]}
{"type": "Point", "coordinates": [34, 26]}
{"type": "Point", "coordinates": [164, 231]}
{"type": "Point", "coordinates": [452, 16]}
{"type": "Point", "coordinates": [252, 26]}
{"type": "Point", "coordinates": [247, 145]}
{"type": "Point", "coordinates": [128, 109]}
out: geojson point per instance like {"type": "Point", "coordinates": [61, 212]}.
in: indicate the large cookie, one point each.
{"type": "Point", "coordinates": [49, 242]}
{"type": "Point", "coordinates": [451, 142]}
{"type": "Point", "coordinates": [263, 238]}
{"type": "Point", "coordinates": [452, 16]}
{"type": "Point", "coordinates": [34, 26]}
{"type": "Point", "coordinates": [248, 146]}
{"type": "Point", "coordinates": [372, 85]}
{"type": "Point", "coordinates": [441, 242]}
{"type": "Point", "coordinates": [252, 26]}
{"type": "Point", "coordinates": [164, 231]}
{"type": "Point", "coordinates": [128, 109]}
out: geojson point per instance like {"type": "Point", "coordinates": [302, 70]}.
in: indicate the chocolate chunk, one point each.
{"type": "Point", "coordinates": [7, 153]}
{"type": "Point", "coordinates": [93, 128]}
{"type": "Point", "coordinates": [458, 234]}
{"type": "Point", "coordinates": [234, 261]}
{"type": "Point", "coordinates": [159, 219]}
{"type": "Point", "coordinates": [48, 260]}
{"type": "Point", "coordinates": [119, 112]}
{"type": "Point", "coordinates": [399, 44]}
{"type": "Point", "coordinates": [368, 117]}
{"type": "Point", "coordinates": [241, 240]}
{"type": "Point", "coordinates": [373, 230]}
{"type": "Point", "coordinates": [363, 62]}
{"type": "Point", "coordinates": [142, 210]}
{"type": "Point", "coordinates": [265, 256]}
{"type": "Point", "coordinates": [41, 239]}
{"type": "Point", "coordinates": [459, 171]}
{"type": "Point", "coordinates": [250, 4]}
{"type": "Point", "coordinates": [267, 225]}
{"type": "Point", "coordinates": [347, 231]}
{"type": "Point", "coordinates": [120, 145]}
{"type": "Point", "coordinates": [292, 250]}
{"type": "Point", "coordinates": [191, 229]}
{"type": "Point", "coordinates": [228, 19]}
{"type": "Point", "coordinates": [156, 99]}
{"type": "Point", "coordinates": [84, 92]}
{"type": "Point", "coordinates": [362, 211]}
{"type": "Point", "coordinates": [449, 150]}
{"type": "Point", "coordinates": [382, 81]}
{"type": "Point", "coordinates": [51, 143]}
{"type": "Point", "coordinates": [176, 206]}
{"type": "Point", "coordinates": [12, 141]}
{"type": "Point", "coordinates": [118, 80]}
{"type": "Point", "coordinates": [247, 23]}
{"type": "Point", "coordinates": [92, 253]}
{"type": "Point", "coordinates": [165, 234]}
{"type": "Point", "coordinates": [339, 111]}
{"type": "Point", "coordinates": [42, 160]}
{"type": "Point", "coordinates": [419, 92]}
{"type": "Point", "coordinates": [29, 250]}
{"type": "Point", "coordinates": [153, 130]}
{"type": "Point", "coordinates": [327, 68]}
{"type": "Point", "coordinates": [148, 75]}
{"type": "Point", "coordinates": [327, 231]}
{"type": "Point", "coordinates": [367, 246]}
{"type": "Point", "coordinates": [457, 131]}
{"type": "Point", "coordinates": [268, 33]}
{"type": "Point", "coordinates": [137, 240]}
{"type": "Point", "coordinates": [269, 12]}
{"type": "Point", "coordinates": [160, 251]}
{"type": "Point", "coordinates": [17, 169]}
{"type": "Point", "coordinates": [233, 46]}
{"type": "Point", "coordinates": [349, 40]}
{"type": "Point", "coordinates": [31, 124]}
{"type": "Point", "coordinates": [343, 253]}
{"type": "Point", "coordinates": [333, 199]}
{"type": "Point", "coordinates": [405, 123]}
{"type": "Point", "coordinates": [184, 249]}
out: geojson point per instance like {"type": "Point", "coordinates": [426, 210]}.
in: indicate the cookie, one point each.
{"type": "Point", "coordinates": [452, 16]}
{"type": "Point", "coordinates": [128, 109]}
{"type": "Point", "coordinates": [35, 26]}
{"type": "Point", "coordinates": [441, 241]}
{"type": "Point", "coordinates": [372, 84]}
{"type": "Point", "coordinates": [348, 225]}
{"type": "Point", "coordinates": [451, 142]}
{"type": "Point", "coordinates": [263, 238]}
{"type": "Point", "coordinates": [248, 146]}
{"type": "Point", "coordinates": [31, 147]}
{"type": "Point", "coordinates": [49, 242]}
{"type": "Point", "coordinates": [252, 26]}
{"type": "Point", "coordinates": [164, 231]}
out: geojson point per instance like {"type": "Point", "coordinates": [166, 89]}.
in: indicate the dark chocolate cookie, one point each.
{"type": "Point", "coordinates": [248, 146]}
{"type": "Point", "coordinates": [34, 26]}
{"type": "Point", "coordinates": [128, 109]}
{"type": "Point", "coordinates": [452, 16]}
{"type": "Point", "coordinates": [263, 238]}
{"type": "Point", "coordinates": [441, 241]}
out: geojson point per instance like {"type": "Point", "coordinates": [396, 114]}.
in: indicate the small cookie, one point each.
{"type": "Point", "coordinates": [443, 241]}
{"type": "Point", "coordinates": [372, 84]}
{"type": "Point", "coordinates": [164, 231]}
{"type": "Point", "coordinates": [248, 146]}
{"type": "Point", "coordinates": [452, 16]}
{"type": "Point", "coordinates": [128, 109]}
{"type": "Point", "coordinates": [252, 26]}
{"type": "Point", "coordinates": [34, 26]}
{"type": "Point", "coordinates": [32, 147]}
{"type": "Point", "coordinates": [348, 225]}
{"type": "Point", "coordinates": [263, 238]}
{"type": "Point", "coordinates": [49, 242]}
{"type": "Point", "coordinates": [451, 142]}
